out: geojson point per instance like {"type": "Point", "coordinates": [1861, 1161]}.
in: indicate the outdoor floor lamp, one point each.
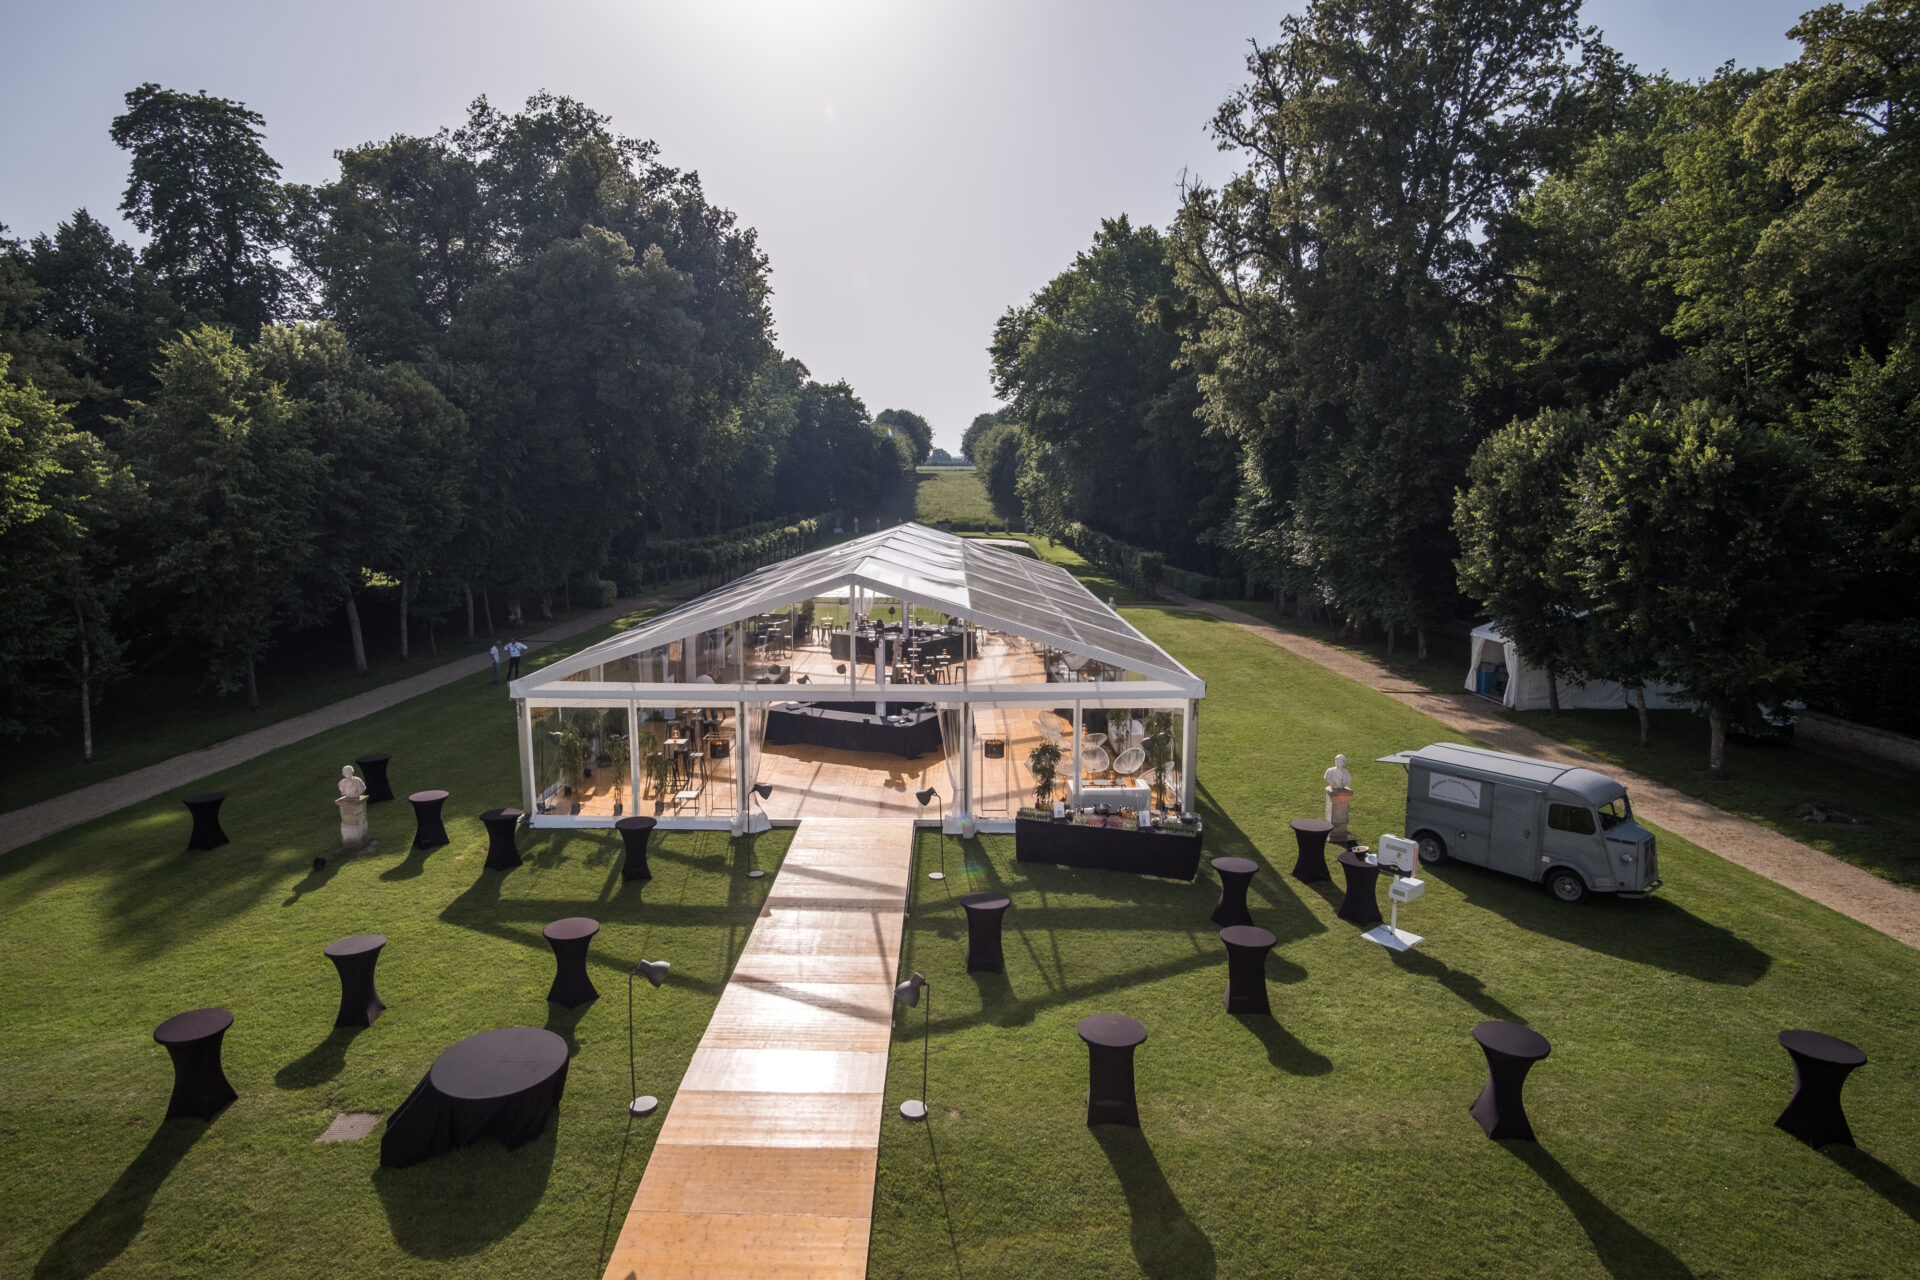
{"type": "Point", "coordinates": [656, 973]}
{"type": "Point", "coordinates": [761, 823]}
{"type": "Point", "coordinates": [923, 797]}
{"type": "Point", "coordinates": [908, 993]}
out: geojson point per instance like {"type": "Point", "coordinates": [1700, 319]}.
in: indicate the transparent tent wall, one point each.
{"type": "Point", "coordinates": [580, 757]}
{"type": "Point", "coordinates": [689, 761]}
{"type": "Point", "coordinates": [1129, 756]}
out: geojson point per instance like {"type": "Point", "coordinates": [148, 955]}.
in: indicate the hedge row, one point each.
{"type": "Point", "coordinates": [1138, 567]}
{"type": "Point", "coordinates": [719, 557]}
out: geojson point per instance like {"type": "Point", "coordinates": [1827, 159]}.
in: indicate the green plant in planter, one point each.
{"type": "Point", "coordinates": [1159, 727]}
{"type": "Point", "coordinates": [571, 749]}
{"type": "Point", "coordinates": [658, 767]}
{"type": "Point", "coordinates": [619, 751]}
{"type": "Point", "coordinates": [1044, 760]}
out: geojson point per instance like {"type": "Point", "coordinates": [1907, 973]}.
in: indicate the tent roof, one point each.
{"type": "Point", "coordinates": [921, 566]}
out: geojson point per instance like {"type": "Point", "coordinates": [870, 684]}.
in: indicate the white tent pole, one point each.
{"type": "Point", "coordinates": [526, 757]}
{"type": "Point", "coordinates": [963, 803]}
{"type": "Point", "coordinates": [1189, 749]}
{"type": "Point", "coordinates": [743, 760]}
{"type": "Point", "coordinates": [633, 754]}
{"type": "Point", "coordinates": [1074, 784]}
{"type": "Point", "coordinates": [880, 674]}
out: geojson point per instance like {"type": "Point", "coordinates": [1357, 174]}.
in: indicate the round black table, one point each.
{"type": "Point", "coordinates": [569, 939]}
{"type": "Point", "coordinates": [1235, 875]}
{"type": "Point", "coordinates": [355, 958]}
{"type": "Point", "coordinates": [1111, 1039]}
{"type": "Point", "coordinates": [985, 911]}
{"type": "Point", "coordinates": [1311, 835]}
{"type": "Point", "coordinates": [429, 832]}
{"type": "Point", "coordinates": [193, 1040]}
{"type": "Point", "coordinates": [501, 1084]}
{"type": "Point", "coordinates": [373, 770]}
{"type": "Point", "coordinates": [1247, 949]}
{"type": "Point", "coordinates": [205, 808]}
{"type": "Point", "coordinates": [1511, 1051]}
{"type": "Point", "coordinates": [503, 854]}
{"type": "Point", "coordinates": [633, 833]}
{"type": "Point", "coordinates": [1362, 903]}
{"type": "Point", "coordinates": [1821, 1065]}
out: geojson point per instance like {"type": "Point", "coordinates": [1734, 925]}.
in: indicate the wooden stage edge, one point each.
{"type": "Point", "coordinates": [765, 1163]}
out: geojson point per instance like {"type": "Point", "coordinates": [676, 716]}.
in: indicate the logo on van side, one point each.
{"type": "Point", "coordinates": [1461, 791]}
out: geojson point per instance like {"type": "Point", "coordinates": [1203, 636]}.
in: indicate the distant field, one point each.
{"type": "Point", "coordinates": [947, 493]}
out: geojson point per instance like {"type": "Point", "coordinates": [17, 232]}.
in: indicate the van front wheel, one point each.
{"type": "Point", "coordinates": [1566, 885]}
{"type": "Point", "coordinates": [1433, 850]}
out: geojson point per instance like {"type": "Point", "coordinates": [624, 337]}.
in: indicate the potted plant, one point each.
{"type": "Point", "coordinates": [658, 767]}
{"type": "Point", "coordinates": [619, 751]}
{"type": "Point", "coordinates": [570, 751]}
{"type": "Point", "coordinates": [1044, 760]}
{"type": "Point", "coordinates": [1159, 729]}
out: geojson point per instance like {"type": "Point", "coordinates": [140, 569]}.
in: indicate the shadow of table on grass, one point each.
{"type": "Point", "coordinates": [320, 1063]}
{"type": "Point", "coordinates": [1885, 1182]}
{"type": "Point", "coordinates": [1166, 1242]}
{"type": "Point", "coordinates": [1283, 1049]}
{"type": "Point", "coordinates": [106, 1229]}
{"type": "Point", "coordinates": [461, 1201]}
{"type": "Point", "coordinates": [1627, 1252]}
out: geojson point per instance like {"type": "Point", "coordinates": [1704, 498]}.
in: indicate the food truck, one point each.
{"type": "Point", "coordinates": [1568, 828]}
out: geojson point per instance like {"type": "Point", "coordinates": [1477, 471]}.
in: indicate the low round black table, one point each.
{"type": "Point", "coordinates": [429, 832]}
{"type": "Point", "coordinates": [1362, 903]}
{"type": "Point", "coordinates": [1235, 875]}
{"type": "Point", "coordinates": [355, 958]}
{"type": "Point", "coordinates": [373, 770]}
{"type": "Point", "coordinates": [1247, 949]}
{"type": "Point", "coordinates": [1511, 1051]}
{"type": "Point", "coordinates": [569, 939]}
{"type": "Point", "coordinates": [1311, 835]}
{"type": "Point", "coordinates": [499, 1084]}
{"type": "Point", "coordinates": [1821, 1065]}
{"type": "Point", "coordinates": [192, 1040]}
{"type": "Point", "coordinates": [503, 853]}
{"type": "Point", "coordinates": [1111, 1039]}
{"type": "Point", "coordinates": [633, 833]}
{"type": "Point", "coordinates": [205, 808]}
{"type": "Point", "coordinates": [985, 911]}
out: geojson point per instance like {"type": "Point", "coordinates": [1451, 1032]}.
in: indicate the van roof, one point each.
{"type": "Point", "coordinates": [1594, 788]}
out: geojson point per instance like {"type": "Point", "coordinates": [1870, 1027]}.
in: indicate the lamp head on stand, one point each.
{"type": "Point", "coordinates": [759, 822]}
{"type": "Point", "coordinates": [908, 994]}
{"type": "Point", "coordinates": [655, 971]}
{"type": "Point", "coordinates": [926, 797]}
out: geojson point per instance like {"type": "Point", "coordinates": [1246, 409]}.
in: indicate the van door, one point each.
{"type": "Point", "coordinates": [1573, 837]}
{"type": "Point", "coordinates": [1515, 823]}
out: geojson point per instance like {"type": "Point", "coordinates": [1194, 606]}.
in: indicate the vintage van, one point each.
{"type": "Point", "coordinates": [1568, 828]}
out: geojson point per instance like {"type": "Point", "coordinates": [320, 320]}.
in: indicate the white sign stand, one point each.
{"type": "Point", "coordinates": [1402, 857]}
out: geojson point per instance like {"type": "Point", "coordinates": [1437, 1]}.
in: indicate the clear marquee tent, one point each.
{"type": "Point", "coordinates": [1496, 669]}
{"type": "Point", "coordinates": [963, 658]}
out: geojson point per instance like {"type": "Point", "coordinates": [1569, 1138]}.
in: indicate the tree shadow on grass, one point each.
{"type": "Point", "coordinates": [463, 1200]}
{"type": "Point", "coordinates": [1625, 1251]}
{"type": "Point", "coordinates": [104, 1231]}
{"type": "Point", "coordinates": [1283, 914]}
{"type": "Point", "coordinates": [1166, 1242]}
{"type": "Point", "coordinates": [1884, 1182]}
{"type": "Point", "coordinates": [1458, 981]}
{"type": "Point", "coordinates": [320, 1063]}
{"type": "Point", "coordinates": [1653, 931]}
{"type": "Point", "coordinates": [1283, 1050]}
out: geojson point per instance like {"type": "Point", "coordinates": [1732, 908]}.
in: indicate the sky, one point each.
{"type": "Point", "coordinates": [913, 167]}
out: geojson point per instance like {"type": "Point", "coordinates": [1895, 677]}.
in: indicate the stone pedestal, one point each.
{"type": "Point", "coordinates": [353, 822]}
{"type": "Point", "coordinates": [1338, 799]}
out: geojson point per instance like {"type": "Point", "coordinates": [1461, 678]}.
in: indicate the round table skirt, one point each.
{"type": "Point", "coordinates": [532, 1070]}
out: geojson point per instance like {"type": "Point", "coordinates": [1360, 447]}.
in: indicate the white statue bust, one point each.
{"type": "Point", "coordinates": [351, 788]}
{"type": "Point", "coordinates": [1338, 779]}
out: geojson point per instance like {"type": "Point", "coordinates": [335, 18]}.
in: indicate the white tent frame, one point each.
{"type": "Point", "coordinates": [921, 567]}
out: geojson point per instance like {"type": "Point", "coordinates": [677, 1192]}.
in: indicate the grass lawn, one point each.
{"type": "Point", "coordinates": [1333, 1139]}
{"type": "Point", "coordinates": [110, 928]}
{"type": "Point", "coordinates": [952, 494]}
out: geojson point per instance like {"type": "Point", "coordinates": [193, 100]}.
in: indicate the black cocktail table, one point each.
{"type": "Point", "coordinates": [500, 1084]}
{"type": "Point", "coordinates": [1311, 835]}
{"type": "Point", "coordinates": [429, 832]}
{"type": "Point", "coordinates": [1821, 1065]}
{"type": "Point", "coordinates": [205, 808]}
{"type": "Point", "coordinates": [633, 833]}
{"type": "Point", "coordinates": [373, 769]}
{"type": "Point", "coordinates": [1362, 903]}
{"type": "Point", "coordinates": [193, 1041]}
{"type": "Point", "coordinates": [985, 911]}
{"type": "Point", "coordinates": [1235, 875]}
{"type": "Point", "coordinates": [1111, 1039]}
{"type": "Point", "coordinates": [503, 853]}
{"type": "Point", "coordinates": [569, 939]}
{"type": "Point", "coordinates": [1511, 1051]}
{"type": "Point", "coordinates": [355, 958]}
{"type": "Point", "coordinates": [1247, 949]}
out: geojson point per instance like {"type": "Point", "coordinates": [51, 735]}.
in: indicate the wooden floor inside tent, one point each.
{"type": "Point", "coordinates": [765, 1162]}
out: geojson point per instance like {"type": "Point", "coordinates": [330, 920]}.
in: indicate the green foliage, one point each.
{"type": "Point", "coordinates": [719, 558]}
{"type": "Point", "coordinates": [1140, 568]}
{"type": "Point", "coordinates": [956, 496]}
{"type": "Point", "coordinates": [1044, 762]}
{"type": "Point", "coordinates": [914, 427]}
{"type": "Point", "coordinates": [996, 460]}
{"type": "Point", "coordinates": [1870, 673]}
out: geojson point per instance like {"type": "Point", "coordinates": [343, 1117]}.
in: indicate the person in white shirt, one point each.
{"type": "Point", "coordinates": [494, 653]}
{"type": "Point", "coordinates": [514, 650]}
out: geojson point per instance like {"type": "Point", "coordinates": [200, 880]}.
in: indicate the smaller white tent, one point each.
{"type": "Point", "coordinates": [1496, 669]}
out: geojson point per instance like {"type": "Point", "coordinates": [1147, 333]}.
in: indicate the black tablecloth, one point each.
{"type": "Point", "coordinates": [1154, 852]}
{"type": "Point", "coordinates": [355, 958]}
{"type": "Point", "coordinates": [633, 833]}
{"type": "Point", "coordinates": [503, 847]}
{"type": "Point", "coordinates": [193, 1041]}
{"type": "Point", "coordinates": [373, 769]}
{"type": "Point", "coordinates": [935, 642]}
{"type": "Point", "coordinates": [1821, 1065]}
{"type": "Point", "coordinates": [851, 731]}
{"type": "Point", "coordinates": [1111, 1039]}
{"type": "Point", "coordinates": [1511, 1051]}
{"type": "Point", "coordinates": [984, 914]}
{"type": "Point", "coordinates": [205, 808]}
{"type": "Point", "coordinates": [498, 1084]}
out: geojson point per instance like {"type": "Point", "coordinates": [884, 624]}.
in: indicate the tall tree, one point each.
{"type": "Point", "coordinates": [913, 427]}
{"type": "Point", "coordinates": [208, 195]}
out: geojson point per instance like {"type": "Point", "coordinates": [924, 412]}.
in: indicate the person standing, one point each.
{"type": "Point", "coordinates": [494, 653]}
{"type": "Point", "coordinates": [514, 650]}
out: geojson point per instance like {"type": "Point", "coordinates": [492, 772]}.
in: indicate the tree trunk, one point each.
{"type": "Point", "coordinates": [1640, 705]}
{"type": "Point", "coordinates": [1391, 629]}
{"type": "Point", "coordinates": [486, 602]}
{"type": "Point", "coordinates": [1716, 743]}
{"type": "Point", "coordinates": [1420, 639]}
{"type": "Point", "coordinates": [404, 583]}
{"type": "Point", "coordinates": [546, 604]}
{"type": "Point", "coordinates": [359, 638]}
{"type": "Point", "coordinates": [86, 690]}
{"type": "Point", "coordinates": [433, 645]}
{"type": "Point", "coordinates": [1553, 692]}
{"type": "Point", "coordinates": [253, 685]}
{"type": "Point", "coordinates": [566, 595]}
{"type": "Point", "coordinates": [467, 585]}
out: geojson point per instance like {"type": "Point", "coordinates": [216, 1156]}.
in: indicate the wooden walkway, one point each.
{"type": "Point", "coordinates": [765, 1164]}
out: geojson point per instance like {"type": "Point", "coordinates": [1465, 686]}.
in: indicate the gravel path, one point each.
{"type": "Point", "coordinates": [32, 822]}
{"type": "Point", "coordinates": [1890, 908]}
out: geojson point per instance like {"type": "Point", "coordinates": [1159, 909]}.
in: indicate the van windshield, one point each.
{"type": "Point", "coordinates": [1615, 812]}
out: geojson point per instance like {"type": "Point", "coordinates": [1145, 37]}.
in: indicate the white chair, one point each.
{"type": "Point", "coordinates": [1094, 759]}
{"type": "Point", "coordinates": [1131, 761]}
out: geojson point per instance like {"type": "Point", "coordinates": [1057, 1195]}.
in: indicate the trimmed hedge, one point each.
{"type": "Point", "coordinates": [1139, 567]}
{"type": "Point", "coordinates": [717, 558]}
